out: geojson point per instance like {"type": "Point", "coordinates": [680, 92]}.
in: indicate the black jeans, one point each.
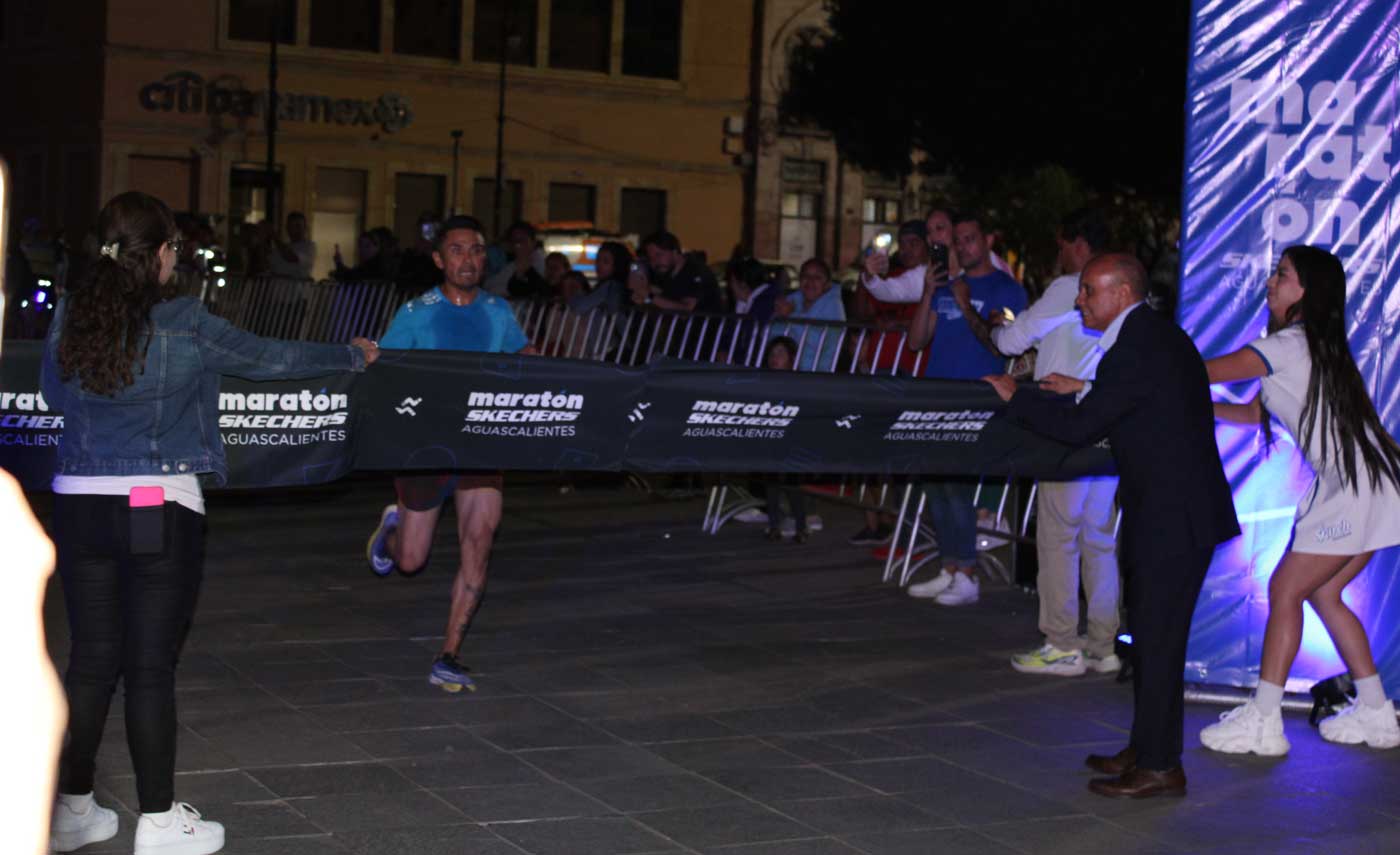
{"type": "Point", "coordinates": [128, 615]}
{"type": "Point", "coordinates": [793, 491]}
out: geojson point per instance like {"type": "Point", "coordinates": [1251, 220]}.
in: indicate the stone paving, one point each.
{"type": "Point", "coordinates": [645, 688]}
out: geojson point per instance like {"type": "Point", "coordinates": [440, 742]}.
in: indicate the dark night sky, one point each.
{"type": "Point", "coordinates": [992, 86]}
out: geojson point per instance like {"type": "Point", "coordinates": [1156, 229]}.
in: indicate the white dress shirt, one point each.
{"type": "Point", "coordinates": [1053, 324]}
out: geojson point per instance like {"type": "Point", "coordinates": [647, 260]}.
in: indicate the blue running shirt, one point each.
{"type": "Point", "coordinates": [431, 322]}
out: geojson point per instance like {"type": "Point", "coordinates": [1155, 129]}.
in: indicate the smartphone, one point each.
{"type": "Point", "coordinates": [640, 266]}
{"type": "Point", "coordinates": [880, 245]}
{"type": "Point", "coordinates": [938, 255]}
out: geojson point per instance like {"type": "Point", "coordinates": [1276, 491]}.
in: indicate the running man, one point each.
{"type": "Point", "coordinates": [457, 315]}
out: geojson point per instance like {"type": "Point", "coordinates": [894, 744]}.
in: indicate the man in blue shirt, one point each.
{"type": "Point", "coordinates": [456, 315]}
{"type": "Point", "coordinates": [950, 320]}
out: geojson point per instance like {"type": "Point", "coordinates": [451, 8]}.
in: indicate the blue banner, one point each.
{"type": "Point", "coordinates": [1291, 118]}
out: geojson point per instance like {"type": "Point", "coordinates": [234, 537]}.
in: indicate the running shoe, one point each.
{"type": "Point", "coordinates": [1049, 659]}
{"type": "Point", "coordinates": [1109, 664]}
{"type": "Point", "coordinates": [450, 674]}
{"type": "Point", "coordinates": [872, 536]}
{"type": "Point", "coordinates": [178, 831]}
{"type": "Point", "coordinates": [1358, 723]}
{"type": "Point", "coordinates": [377, 550]}
{"type": "Point", "coordinates": [1246, 730]}
{"type": "Point", "coordinates": [78, 821]}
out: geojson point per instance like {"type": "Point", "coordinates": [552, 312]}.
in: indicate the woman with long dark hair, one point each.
{"type": "Point", "coordinates": [610, 266]}
{"type": "Point", "coordinates": [1312, 385]}
{"type": "Point", "coordinates": [136, 375]}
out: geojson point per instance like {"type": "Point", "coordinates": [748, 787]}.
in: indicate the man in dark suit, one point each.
{"type": "Point", "coordinates": [1151, 398]}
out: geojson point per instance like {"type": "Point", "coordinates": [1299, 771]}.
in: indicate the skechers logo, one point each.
{"type": "Point", "coordinates": [638, 413]}
{"type": "Point", "coordinates": [741, 414]}
{"type": "Point", "coordinates": [303, 410]}
{"type": "Point", "coordinates": [406, 406]}
{"type": "Point", "coordinates": [511, 407]}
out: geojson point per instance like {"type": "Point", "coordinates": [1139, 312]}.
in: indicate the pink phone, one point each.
{"type": "Point", "coordinates": [146, 497]}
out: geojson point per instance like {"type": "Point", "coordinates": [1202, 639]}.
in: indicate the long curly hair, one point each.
{"type": "Point", "coordinates": [1337, 402]}
{"type": "Point", "coordinates": [107, 316]}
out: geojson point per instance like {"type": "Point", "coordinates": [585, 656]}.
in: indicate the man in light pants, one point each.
{"type": "Point", "coordinates": [1074, 532]}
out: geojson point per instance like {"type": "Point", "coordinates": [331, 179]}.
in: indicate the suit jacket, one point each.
{"type": "Point", "coordinates": [1151, 399]}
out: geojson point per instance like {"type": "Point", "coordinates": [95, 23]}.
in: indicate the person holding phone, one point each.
{"type": "Point", "coordinates": [943, 322]}
{"type": "Point", "coordinates": [136, 374]}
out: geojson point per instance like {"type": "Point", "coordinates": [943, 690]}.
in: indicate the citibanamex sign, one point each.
{"type": "Point", "coordinates": [187, 92]}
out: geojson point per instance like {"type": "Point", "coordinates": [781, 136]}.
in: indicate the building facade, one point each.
{"type": "Point", "coordinates": [628, 114]}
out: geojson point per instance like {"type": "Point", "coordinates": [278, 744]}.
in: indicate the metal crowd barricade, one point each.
{"type": "Point", "coordinates": [305, 309]}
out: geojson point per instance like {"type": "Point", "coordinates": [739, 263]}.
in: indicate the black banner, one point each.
{"type": "Point", "coordinates": [428, 409]}
{"type": "Point", "coordinates": [445, 409]}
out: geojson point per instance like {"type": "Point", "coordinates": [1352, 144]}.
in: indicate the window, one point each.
{"type": "Point", "coordinates": [428, 27]}
{"type": "Point", "coordinates": [484, 200]}
{"type": "Point", "coordinates": [414, 196]}
{"type": "Point", "coordinates": [878, 214]}
{"type": "Point", "coordinates": [249, 20]}
{"type": "Point", "coordinates": [338, 217]}
{"type": "Point", "coordinates": [651, 38]}
{"type": "Point", "coordinates": [571, 202]}
{"type": "Point", "coordinates": [643, 212]}
{"type": "Point", "coordinates": [247, 206]}
{"type": "Point", "coordinates": [345, 24]}
{"type": "Point", "coordinates": [799, 228]}
{"type": "Point", "coordinates": [580, 34]}
{"type": "Point", "coordinates": [509, 22]}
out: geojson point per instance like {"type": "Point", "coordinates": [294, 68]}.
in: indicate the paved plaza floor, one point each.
{"type": "Point", "coordinates": [646, 688]}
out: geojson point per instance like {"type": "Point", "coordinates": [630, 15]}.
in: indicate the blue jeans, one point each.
{"type": "Point", "coordinates": [954, 517]}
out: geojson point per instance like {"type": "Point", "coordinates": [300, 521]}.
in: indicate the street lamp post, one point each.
{"type": "Point", "coordinates": [497, 214]}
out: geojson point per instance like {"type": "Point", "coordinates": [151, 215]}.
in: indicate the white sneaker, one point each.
{"type": "Point", "coordinates": [963, 591]}
{"type": "Point", "coordinates": [1246, 730]}
{"type": "Point", "coordinates": [1375, 726]}
{"type": "Point", "coordinates": [1049, 659]}
{"type": "Point", "coordinates": [78, 821]}
{"type": "Point", "coordinates": [752, 515]}
{"type": "Point", "coordinates": [178, 831]}
{"type": "Point", "coordinates": [1109, 664]}
{"type": "Point", "coordinates": [933, 587]}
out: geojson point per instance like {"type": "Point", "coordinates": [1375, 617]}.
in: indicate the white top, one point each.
{"type": "Point", "coordinates": [183, 490]}
{"type": "Point", "coordinates": [305, 252]}
{"type": "Point", "coordinates": [1052, 323]}
{"type": "Point", "coordinates": [1331, 518]}
{"type": "Point", "coordinates": [907, 287]}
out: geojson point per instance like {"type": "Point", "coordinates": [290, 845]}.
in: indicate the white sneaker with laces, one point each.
{"type": "Point", "coordinates": [178, 831]}
{"type": "Point", "coordinates": [1375, 726]}
{"type": "Point", "coordinates": [1109, 664]}
{"type": "Point", "coordinates": [1246, 730]}
{"type": "Point", "coordinates": [963, 591]}
{"type": "Point", "coordinates": [932, 587]}
{"type": "Point", "coordinates": [78, 821]}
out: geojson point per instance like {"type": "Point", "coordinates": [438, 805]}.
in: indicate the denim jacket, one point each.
{"type": "Point", "coordinates": [167, 421]}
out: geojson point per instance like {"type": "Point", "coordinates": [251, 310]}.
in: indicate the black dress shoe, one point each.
{"type": "Point", "coordinates": [1115, 764]}
{"type": "Point", "coordinates": [1140, 783]}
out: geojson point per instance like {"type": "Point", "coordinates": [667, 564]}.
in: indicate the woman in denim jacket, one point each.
{"type": "Point", "coordinates": [136, 375]}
